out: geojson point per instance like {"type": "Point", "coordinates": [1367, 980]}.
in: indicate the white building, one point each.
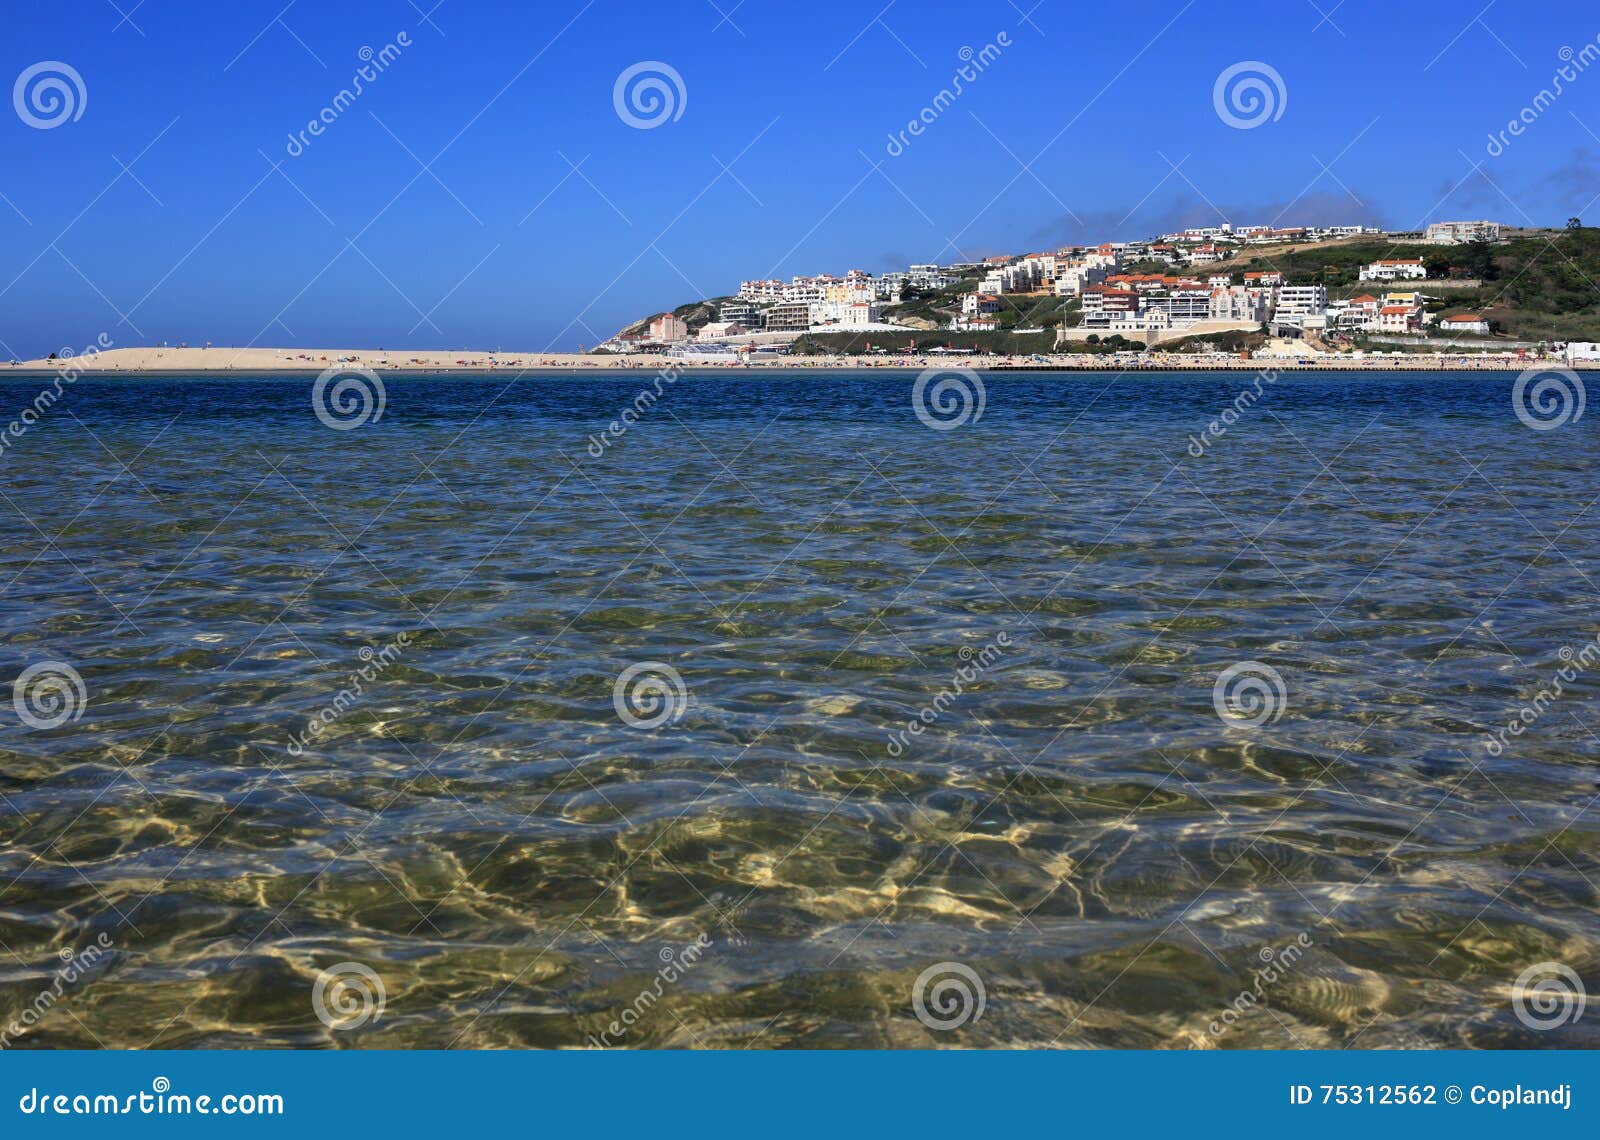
{"type": "Point", "coordinates": [1472, 324]}
{"type": "Point", "coordinates": [1401, 269]}
{"type": "Point", "coordinates": [1236, 303]}
{"type": "Point", "coordinates": [1454, 233]}
{"type": "Point", "coordinates": [1156, 320]}
{"type": "Point", "coordinates": [1183, 306]}
{"type": "Point", "coordinates": [1583, 351]}
{"type": "Point", "coordinates": [930, 276]}
{"type": "Point", "coordinates": [849, 313]}
{"type": "Point", "coordinates": [807, 289]}
{"type": "Point", "coordinates": [858, 314]}
{"type": "Point", "coordinates": [761, 290]}
{"type": "Point", "coordinates": [1075, 274]}
{"type": "Point", "coordinates": [1104, 303]}
{"type": "Point", "coordinates": [1296, 301]}
{"type": "Point", "coordinates": [1008, 279]}
{"type": "Point", "coordinates": [1357, 313]}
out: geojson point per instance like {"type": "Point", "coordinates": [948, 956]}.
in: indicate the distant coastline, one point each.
{"type": "Point", "coordinates": [248, 361]}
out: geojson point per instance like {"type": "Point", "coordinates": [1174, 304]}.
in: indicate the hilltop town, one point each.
{"type": "Point", "coordinates": [1456, 286]}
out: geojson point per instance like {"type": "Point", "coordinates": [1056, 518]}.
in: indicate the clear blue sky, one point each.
{"type": "Point", "coordinates": [351, 243]}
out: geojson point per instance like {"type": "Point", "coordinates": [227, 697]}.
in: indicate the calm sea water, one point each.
{"type": "Point", "coordinates": [1203, 752]}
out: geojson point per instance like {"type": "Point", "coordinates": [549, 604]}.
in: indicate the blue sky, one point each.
{"type": "Point", "coordinates": [1097, 121]}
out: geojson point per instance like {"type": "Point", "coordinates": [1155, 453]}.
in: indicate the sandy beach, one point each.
{"type": "Point", "coordinates": [256, 360]}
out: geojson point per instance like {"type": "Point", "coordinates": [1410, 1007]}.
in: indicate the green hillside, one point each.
{"type": "Point", "coordinates": [1536, 285]}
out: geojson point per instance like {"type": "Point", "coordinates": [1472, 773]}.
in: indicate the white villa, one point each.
{"type": "Point", "coordinates": [1400, 269]}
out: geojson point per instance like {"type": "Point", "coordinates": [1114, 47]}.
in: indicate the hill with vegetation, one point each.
{"type": "Point", "coordinates": [1534, 285]}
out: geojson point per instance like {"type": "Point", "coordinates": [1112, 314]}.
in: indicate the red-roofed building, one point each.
{"type": "Point", "coordinates": [1399, 319]}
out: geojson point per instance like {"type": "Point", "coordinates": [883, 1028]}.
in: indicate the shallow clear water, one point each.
{"type": "Point", "coordinates": [1114, 860]}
